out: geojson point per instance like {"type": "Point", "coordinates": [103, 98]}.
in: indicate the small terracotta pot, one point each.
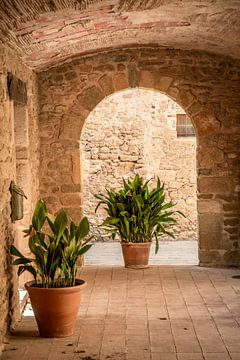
{"type": "Point", "coordinates": [136, 255]}
{"type": "Point", "coordinates": [55, 309]}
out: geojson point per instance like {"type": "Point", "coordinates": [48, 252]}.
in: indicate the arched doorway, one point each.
{"type": "Point", "coordinates": [86, 82]}
{"type": "Point", "coordinates": [141, 131]}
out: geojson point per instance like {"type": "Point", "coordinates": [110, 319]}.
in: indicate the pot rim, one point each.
{"type": "Point", "coordinates": [136, 243]}
{"type": "Point", "coordinates": [29, 284]}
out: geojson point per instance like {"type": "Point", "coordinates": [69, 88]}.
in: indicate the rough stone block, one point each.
{"type": "Point", "coordinates": [208, 156]}
{"type": "Point", "coordinates": [106, 84]}
{"type": "Point", "coordinates": [232, 258]}
{"type": "Point", "coordinates": [133, 75]}
{"type": "Point", "coordinates": [233, 206]}
{"type": "Point", "coordinates": [231, 221]}
{"type": "Point", "coordinates": [76, 171]}
{"type": "Point", "coordinates": [129, 158]}
{"type": "Point", "coordinates": [163, 82]}
{"type": "Point", "coordinates": [70, 130]}
{"type": "Point", "coordinates": [75, 213]}
{"type": "Point", "coordinates": [147, 79]}
{"type": "Point", "coordinates": [120, 81]}
{"type": "Point", "coordinates": [209, 206]}
{"type": "Point", "coordinates": [173, 92]}
{"type": "Point", "coordinates": [185, 99]}
{"type": "Point", "coordinates": [71, 199]}
{"type": "Point", "coordinates": [194, 109]}
{"type": "Point", "coordinates": [22, 152]}
{"type": "Point", "coordinates": [210, 240]}
{"type": "Point", "coordinates": [51, 200]}
{"type": "Point", "coordinates": [211, 223]}
{"type": "Point", "coordinates": [61, 163]}
{"type": "Point", "coordinates": [215, 185]}
{"type": "Point", "coordinates": [209, 257]}
{"type": "Point", "coordinates": [90, 97]}
{"type": "Point", "coordinates": [70, 188]}
{"type": "Point", "coordinates": [206, 123]}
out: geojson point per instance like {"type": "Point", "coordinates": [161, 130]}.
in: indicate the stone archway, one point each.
{"type": "Point", "coordinates": [137, 131]}
{"type": "Point", "coordinates": [85, 82]}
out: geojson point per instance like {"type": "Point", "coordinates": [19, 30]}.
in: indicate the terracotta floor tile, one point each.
{"type": "Point", "coordinates": [217, 356]}
{"type": "Point", "coordinates": [161, 313]}
{"type": "Point", "coordinates": [164, 356]}
{"type": "Point", "coordinates": [235, 356]}
{"type": "Point", "coordinates": [137, 355]}
{"type": "Point", "coordinates": [187, 345]}
{"type": "Point", "coordinates": [190, 356]}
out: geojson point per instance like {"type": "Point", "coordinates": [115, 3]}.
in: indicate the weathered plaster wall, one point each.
{"type": "Point", "coordinates": [206, 86]}
{"type": "Point", "coordinates": [134, 131]}
{"type": "Point", "coordinates": [9, 311]}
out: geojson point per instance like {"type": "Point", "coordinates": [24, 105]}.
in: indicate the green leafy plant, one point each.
{"type": "Point", "coordinates": [136, 213]}
{"type": "Point", "coordinates": [56, 250]}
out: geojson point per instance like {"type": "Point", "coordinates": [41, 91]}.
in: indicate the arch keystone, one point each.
{"type": "Point", "coordinates": [147, 79]}
{"type": "Point", "coordinates": [120, 81]}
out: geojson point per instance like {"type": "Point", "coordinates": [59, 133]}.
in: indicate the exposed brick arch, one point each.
{"type": "Point", "coordinates": [194, 81]}
{"type": "Point", "coordinates": [49, 32]}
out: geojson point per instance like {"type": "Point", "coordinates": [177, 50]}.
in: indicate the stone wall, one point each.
{"type": "Point", "coordinates": [19, 163]}
{"type": "Point", "coordinates": [205, 86]}
{"type": "Point", "coordinates": [134, 131]}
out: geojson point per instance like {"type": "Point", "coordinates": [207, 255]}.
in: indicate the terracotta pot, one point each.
{"type": "Point", "coordinates": [55, 309]}
{"type": "Point", "coordinates": [136, 255]}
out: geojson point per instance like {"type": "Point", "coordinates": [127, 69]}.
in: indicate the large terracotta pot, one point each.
{"type": "Point", "coordinates": [136, 255]}
{"type": "Point", "coordinates": [55, 309]}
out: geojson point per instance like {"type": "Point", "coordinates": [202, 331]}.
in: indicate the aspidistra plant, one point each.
{"type": "Point", "coordinates": [55, 252]}
{"type": "Point", "coordinates": [136, 213]}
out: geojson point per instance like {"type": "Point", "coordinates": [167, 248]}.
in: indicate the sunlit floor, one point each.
{"type": "Point", "coordinates": [160, 313]}
{"type": "Point", "coordinates": [170, 253]}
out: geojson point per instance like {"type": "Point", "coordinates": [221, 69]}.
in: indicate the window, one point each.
{"type": "Point", "coordinates": [184, 126]}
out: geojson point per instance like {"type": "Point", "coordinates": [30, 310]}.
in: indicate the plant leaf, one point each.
{"type": "Point", "coordinates": [83, 229]}
{"type": "Point", "coordinates": [21, 261]}
{"type": "Point", "coordinates": [14, 251]}
{"type": "Point", "coordinates": [28, 268]}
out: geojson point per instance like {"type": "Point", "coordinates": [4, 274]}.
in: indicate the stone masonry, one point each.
{"type": "Point", "coordinates": [205, 86]}
{"type": "Point", "coordinates": [73, 54]}
{"type": "Point", "coordinates": [12, 160]}
{"type": "Point", "coordinates": [134, 131]}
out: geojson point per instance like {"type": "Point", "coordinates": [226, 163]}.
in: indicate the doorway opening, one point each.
{"type": "Point", "coordinates": [21, 141]}
{"type": "Point", "coordinates": [141, 131]}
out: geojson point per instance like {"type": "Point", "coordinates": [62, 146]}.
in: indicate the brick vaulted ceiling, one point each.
{"type": "Point", "coordinates": [47, 32]}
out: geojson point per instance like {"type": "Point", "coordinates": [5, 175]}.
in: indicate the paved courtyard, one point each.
{"type": "Point", "coordinates": [160, 313]}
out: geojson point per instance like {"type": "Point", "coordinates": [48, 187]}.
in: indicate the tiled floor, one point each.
{"type": "Point", "coordinates": [160, 313]}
